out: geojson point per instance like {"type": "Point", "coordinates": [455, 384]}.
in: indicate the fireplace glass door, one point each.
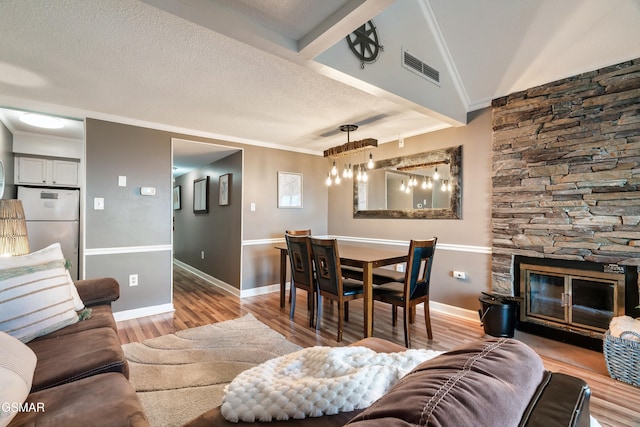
{"type": "Point", "coordinates": [592, 302]}
{"type": "Point", "coordinates": [545, 296]}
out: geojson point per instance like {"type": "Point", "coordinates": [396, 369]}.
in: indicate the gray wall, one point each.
{"type": "Point", "coordinates": [132, 235]}
{"type": "Point", "coordinates": [219, 232]}
{"type": "Point", "coordinates": [265, 226]}
{"type": "Point", "coordinates": [6, 155]}
{"type": "Point", "coordinates": [463, 244]}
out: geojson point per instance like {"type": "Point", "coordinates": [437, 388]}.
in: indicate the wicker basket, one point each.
{"type": "Point", "coordinates": [623, 357]}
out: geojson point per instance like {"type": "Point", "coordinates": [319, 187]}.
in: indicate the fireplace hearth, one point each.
{"type": "Point", "coordinates": [572, 301]}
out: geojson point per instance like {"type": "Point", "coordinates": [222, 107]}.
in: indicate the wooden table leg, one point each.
{"type": "Point", "coordinates": [283, 276]}
{"type": "Point", "coordinates": [367, 281]}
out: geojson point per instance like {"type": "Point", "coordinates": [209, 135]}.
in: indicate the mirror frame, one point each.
{"type": "Point", "coordinates": [2, 179]}
{"type": "Point", "coordinates": [452, 154]}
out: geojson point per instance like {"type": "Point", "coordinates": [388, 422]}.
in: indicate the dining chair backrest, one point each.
{"type": "Point", "coordinates": [298, 232]}
{"type": "Point", "coordinates": [299, 248]}
{"type": "Point", "coordinates": [327, 264]}
{"type": "Point", "coordinates": [419, 265]}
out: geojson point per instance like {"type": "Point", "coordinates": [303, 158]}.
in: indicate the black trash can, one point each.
{"type": "Point", "coordinates": [498, 315]}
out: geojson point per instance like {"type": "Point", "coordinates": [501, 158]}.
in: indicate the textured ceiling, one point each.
{"type": "Point", "coordinates": [244, 70]}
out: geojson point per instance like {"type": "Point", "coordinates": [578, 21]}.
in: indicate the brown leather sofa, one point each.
{"type": "Point", "coordinates": [81, 375]}
{"type": "Point", "coordinates": [489, 382]}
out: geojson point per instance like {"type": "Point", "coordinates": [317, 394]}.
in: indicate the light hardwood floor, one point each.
{"type": "Point", "coordinates": [197, 303]}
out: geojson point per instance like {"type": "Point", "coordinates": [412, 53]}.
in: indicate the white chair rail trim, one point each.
{"type": "Point", "coordinates": [127, 250]}
{"type": "Point", "coordinates": [403, 243]}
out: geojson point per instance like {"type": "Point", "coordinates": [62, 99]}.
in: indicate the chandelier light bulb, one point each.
{"type": "Point", "coordinates": [430, 183]}
{"type": "Point", "coordinates": [337, 179]}
{"type": "Point", "coordinates": [449, 187]}
{"type": "Point", "coordinates": [328, 181]}
{"type": "Point", "coordinates": [370, 163]}
{"type": "Point", "coordinates": [444, 186]}
{"type": "Point", "coordinates": [345, 172]}
{"type": "Point", "coordinates": [334, 169]}
{"type": "Point", "coordinates": [436, 175]}
{"type": "Point", "coordinates": [350, 171]}
{"type": "Point", "coordinates": [424, 184]}
{"type": "Point", "coordinates": [365, 177]}
{"type": "Point", "coordinates": [402, 186]}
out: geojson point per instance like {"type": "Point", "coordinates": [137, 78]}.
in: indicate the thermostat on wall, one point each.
{"type": "Point", "coordinates": [148, 191]}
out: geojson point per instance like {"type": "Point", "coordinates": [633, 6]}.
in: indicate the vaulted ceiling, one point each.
{"type": "Point", "coordinates": [280, 73]}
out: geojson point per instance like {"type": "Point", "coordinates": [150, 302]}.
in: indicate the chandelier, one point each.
{"type": "Point", "coordinates": [346, 150]}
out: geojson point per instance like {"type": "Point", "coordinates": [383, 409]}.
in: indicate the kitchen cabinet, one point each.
{"type": "Point", "coordinates": [47, 171]}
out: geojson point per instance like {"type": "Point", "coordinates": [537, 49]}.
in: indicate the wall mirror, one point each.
{"type": "Point", "coordinates": [418, 186]}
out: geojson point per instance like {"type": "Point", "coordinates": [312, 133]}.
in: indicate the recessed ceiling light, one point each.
{"type": "Point", "coordinates": [42, 121]}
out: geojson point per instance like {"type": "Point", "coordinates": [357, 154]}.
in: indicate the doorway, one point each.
{"type": "Point", "coordinates": [207, 212]}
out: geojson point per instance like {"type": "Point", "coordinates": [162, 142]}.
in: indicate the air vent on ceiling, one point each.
{"type": "Point", "coordinates": [412, 63]}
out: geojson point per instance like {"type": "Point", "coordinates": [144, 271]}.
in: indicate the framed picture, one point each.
{"type": "Point", "coordinates": [289, 190]}
{"type": "Point", "coordinates": [201, 195]}
{"type": "Point", "coordinates": [223, 190]}
{"type": "Point", "coordinates": [176, 198]}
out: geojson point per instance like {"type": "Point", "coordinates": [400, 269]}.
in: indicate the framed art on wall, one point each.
{"type": "Point", "coordinates": [289, 190]}
{"type": "Point", "coordinates": [201, 195]}
{"type": "Point", "coordinates": [177, 198]}
{"type": "Point", "coordinates": [223, 189]}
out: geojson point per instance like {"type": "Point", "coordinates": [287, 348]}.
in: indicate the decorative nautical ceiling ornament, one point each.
{"type": "Point", "coordinates": [364, 43]}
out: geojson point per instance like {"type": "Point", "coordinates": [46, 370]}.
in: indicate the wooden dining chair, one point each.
{"type": "Point", "coordinates": [306, 232]}
{"type": "Point", "coordinates": [330, 283]}
{"type": "Point", "coordinates": [415, 288]}
{"type": "Point", "coordinates": [299, 248]}
{"type": "Point", "coordinates": [298, 232]}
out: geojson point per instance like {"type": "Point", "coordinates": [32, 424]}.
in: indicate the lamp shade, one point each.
{"type": "Point", "coordinates": [13, 228]}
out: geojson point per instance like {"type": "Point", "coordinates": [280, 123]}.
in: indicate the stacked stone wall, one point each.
{"type": "Point", "coordinates": [566, 171]}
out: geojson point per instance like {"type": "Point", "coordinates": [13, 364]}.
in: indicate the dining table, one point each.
{"type": "Point", "coordinates": [360, 255]}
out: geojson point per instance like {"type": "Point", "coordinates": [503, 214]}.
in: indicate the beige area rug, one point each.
{"type": "Point", "coordinates": [179, 376]}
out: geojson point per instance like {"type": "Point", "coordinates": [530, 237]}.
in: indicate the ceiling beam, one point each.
{"type": "Point", "coordinates": [350, 16]}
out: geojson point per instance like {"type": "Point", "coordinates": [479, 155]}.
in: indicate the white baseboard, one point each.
{"type": "Point", "coordinates": [262, 290]}
{"type": "Point", "coordinates": [210, 279]}
{"type": "Point", "coordinates": [452, 310]}
{"type": "Point", "coordinates": [142, 312]}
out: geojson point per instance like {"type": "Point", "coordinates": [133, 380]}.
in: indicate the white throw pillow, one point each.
{"type": "Point", "coordinates": [36, 294]}
{"type": "Point", "coordinates": [17, 364]}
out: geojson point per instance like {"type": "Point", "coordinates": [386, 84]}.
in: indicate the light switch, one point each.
{"type": "Point", "coordinates": [122, 181]}
{"type": "Point", "coordinates": [98, 203]}
{"type": "Point", "coordinates": [253, 207]}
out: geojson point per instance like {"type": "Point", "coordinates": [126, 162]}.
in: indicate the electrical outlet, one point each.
{"type": "Point", "coordinates": [460, 275]}
{"type": "Point", "coordinates": [98, 203]}
{"type": "Point", "coordinates": [133, 280]}
{"type": "Point", "coordinates": [400, 268]}
{"type": "Point", "coordinates": [202, 254]}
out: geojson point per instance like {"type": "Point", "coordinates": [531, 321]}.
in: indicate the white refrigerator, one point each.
{"type": "Point", "coordinates": [53, 216]}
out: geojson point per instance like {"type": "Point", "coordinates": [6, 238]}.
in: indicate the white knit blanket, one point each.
{"type": "Point", "coordinates": [316, 381]}
{"type": "Point", "coordinates": [622, 324]}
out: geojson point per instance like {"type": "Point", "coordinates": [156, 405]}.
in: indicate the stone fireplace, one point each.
{"type": "Point", "coordinates": [566, 178]}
